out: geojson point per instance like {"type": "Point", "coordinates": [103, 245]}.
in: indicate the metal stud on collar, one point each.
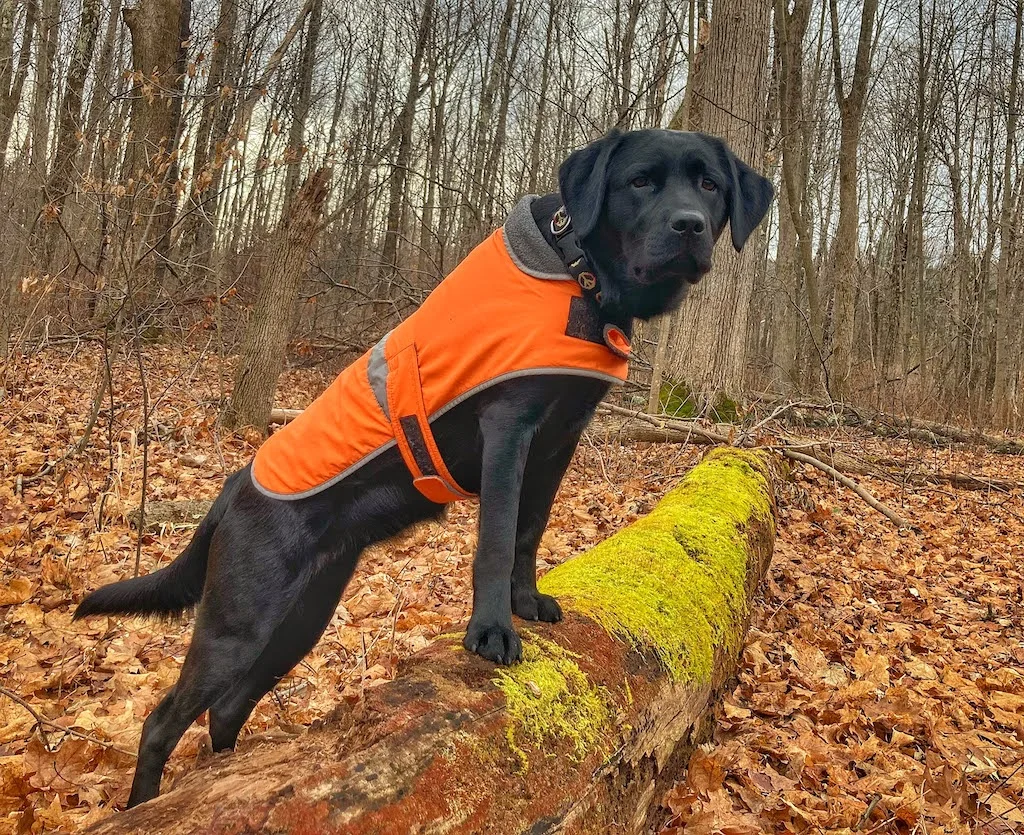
{"type": "Point", "coordinates": [560, 222]}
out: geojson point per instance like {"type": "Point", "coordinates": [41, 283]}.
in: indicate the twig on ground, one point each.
{"type": "Point", "coordinates": [866, 815]}
{"type": "Point", "coordinates": [884, 509]}
{"type": "Point", "coordinates": [685, 432]}
{"type": "Point", "coordinates": [42, 721]}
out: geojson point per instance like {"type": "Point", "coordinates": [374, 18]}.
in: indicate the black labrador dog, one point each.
{"type": "Point", "coordinates": [647, 208]}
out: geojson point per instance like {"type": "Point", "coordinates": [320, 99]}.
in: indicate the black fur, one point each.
{"type": "Point", "coordinates": [268, 574]}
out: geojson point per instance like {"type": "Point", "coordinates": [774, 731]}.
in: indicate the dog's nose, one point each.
{"type": "Point", "coordinates": [687, 223]}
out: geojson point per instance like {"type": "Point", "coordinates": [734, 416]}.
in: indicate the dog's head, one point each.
{"type": "Point", "coordinates": [648, 207]}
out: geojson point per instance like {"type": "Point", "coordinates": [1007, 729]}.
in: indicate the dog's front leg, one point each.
{"type": "Point", "coordinates": [507, 433]}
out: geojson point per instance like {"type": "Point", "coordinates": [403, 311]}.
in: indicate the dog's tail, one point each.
{"type": "Point", "coordinates": [170, 590]}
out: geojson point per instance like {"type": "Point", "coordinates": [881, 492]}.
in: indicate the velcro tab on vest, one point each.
{"type": "Point", "coordinates": [412, 430]}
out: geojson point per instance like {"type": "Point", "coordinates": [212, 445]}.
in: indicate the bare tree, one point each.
{"type": "Point", "coordinates": [709, 341]}
{"type": "Point", "coordinates": [264, 347]}
{"type": "Point", "coordinates": [844, 265]}
{"type": "Point", "coordinates": [159, 31]}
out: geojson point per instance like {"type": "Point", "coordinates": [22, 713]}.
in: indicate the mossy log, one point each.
{"type": "Point", "coordinates": [583, 736]}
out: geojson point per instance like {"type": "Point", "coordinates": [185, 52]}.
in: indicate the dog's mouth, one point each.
{"type": "Point", "coordinates": [686, 266]}
{"type": "Point", "coordinates": [702, 271]}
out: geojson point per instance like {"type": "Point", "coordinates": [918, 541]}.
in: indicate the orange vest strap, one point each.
{"type": "Point", "coordinates": [412, 430]}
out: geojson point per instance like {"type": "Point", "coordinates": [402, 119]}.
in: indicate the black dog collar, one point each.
{"type": "Point", "coordinates": [575, 260]}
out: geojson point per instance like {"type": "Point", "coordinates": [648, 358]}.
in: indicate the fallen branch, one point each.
{"type": "Point", "coordinates": [42, 722]}
{"type": "Point", "coordinates": [884, 509]}
{"type": "Point", "coordinates": [932, 433]}
{"type": "Point", "coordinates": [284, 415]}
{"type": "Point", "coordinates": [668, 430]}
{"type": "Point", "coordinates": [583, 736]}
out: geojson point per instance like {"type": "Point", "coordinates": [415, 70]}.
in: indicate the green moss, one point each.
{"type": "Point", "coordinates": [726, 410]}
{"type": "Point", "coordinates": [672, 583]}
{"type": "Point", "coordinates": [549, 696]}
{"type": "Point", "coordinates": [677, 400]}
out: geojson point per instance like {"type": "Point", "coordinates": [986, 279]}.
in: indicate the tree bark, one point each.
{"type": "Point", "coordinates": [159, 30]}
{"type": "Point", "coordinates": [69, 131]}
{"type": "Point", "coordinates": [709, 350]}
{"type": "Point", "coordinates": [266, 334]}
{"type": "Point", "coordinates": [844, 248]}
{"type": "Point", "coordinates": [1007, 325]}
{"type": "Point", "coordinates": [582, 737]}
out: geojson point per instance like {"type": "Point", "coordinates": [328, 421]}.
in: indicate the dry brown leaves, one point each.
{"type": "Point", "coordinates": [882, 687]}
{"type": "Point", "coordinates": [93, 683]}
{"type": "Point", "coordinates": [882, 684]}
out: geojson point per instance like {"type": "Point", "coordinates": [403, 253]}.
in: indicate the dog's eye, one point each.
{"type": "Point", "coordinates": [708, 185]}
{"type": "Point", "coordinates": [640, 182]}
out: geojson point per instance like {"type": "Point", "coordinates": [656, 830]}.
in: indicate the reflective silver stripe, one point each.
{"type": "Point", "coordinates": [312, 491]}
{"type": "Point", "coordinates": [526, 372]}
{"type": "Point", "coordinates": [377, 373]}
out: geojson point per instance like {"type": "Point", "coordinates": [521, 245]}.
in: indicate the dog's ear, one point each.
{"type": "Point", "coordinates": [749, 199]}
{"type": "Point", "coordinates": [583, 179]}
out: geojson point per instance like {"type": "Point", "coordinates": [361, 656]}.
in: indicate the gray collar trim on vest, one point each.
{"type": "Point", "coordinates": [527, 247]}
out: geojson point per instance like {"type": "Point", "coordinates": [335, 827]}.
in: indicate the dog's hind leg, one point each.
{"type": "Point", "coordinates": [291, 641]}
{"type": "Point", "coordinates": [227, 641]}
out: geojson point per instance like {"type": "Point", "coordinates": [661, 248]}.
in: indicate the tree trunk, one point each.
{"type": "Point", "coordinates": [473, 225]}
{"type": "Point", "coordinates": [403, 135]}
{"type": "Point", "coordinates": [1007, 326]}
{"type": "Point", "coordinates": [584, 736]}
{"type": "Point", "coordinates": [297, 131]}
{"type": "Point", "coordinates": [42, 88]}
{"type": "Point", "coordinates": [12, 76]}
{"type": "Point", "coordinates": [103, 92]}
{"type": "Point", "coordinates": [540, 120]}
{"type": "Point", "coordinates": [159, 31]}
{"type": "Point", "coordinates": [680, 121]}
{"type": "Point", "coordinates": [69, 131]}
{"type": "Point", "coordinates": [795, 267]}
{"type": "Point", "coordinates": [209, 159]}
{"type": "Point", "coordinates": [844, 248]}
{"type": "Point", "coordinates": [709, 347]}
{"type": "Point", "coordinates": [266, 334]}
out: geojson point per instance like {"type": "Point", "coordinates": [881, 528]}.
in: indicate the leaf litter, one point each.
{"type": "Point", "coordinates": [881, 686]}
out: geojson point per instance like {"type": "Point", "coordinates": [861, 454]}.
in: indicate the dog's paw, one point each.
{"type": "Point", "coordinates": [532, 605]}
{"type": "Point", "coordinates": [495, 642]}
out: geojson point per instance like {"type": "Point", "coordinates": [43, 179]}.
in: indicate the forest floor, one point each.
{"type": "Point", "coordinates": [881, 687]}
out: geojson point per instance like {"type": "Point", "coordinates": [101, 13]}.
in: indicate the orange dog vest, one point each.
{"type": "Point", "coordinates": [486, 322]}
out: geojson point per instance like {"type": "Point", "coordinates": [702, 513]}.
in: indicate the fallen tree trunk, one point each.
{"type": "Point", "coordinates": [284, 415]}
{"type": "Point", "coordinates": [582, 736]}
{"type": "Point", "coordinates": [930, 432]}
{"type": "Point", "coordinates": [831, 456]}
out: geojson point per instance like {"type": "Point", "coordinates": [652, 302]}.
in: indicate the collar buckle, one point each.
{"type": "Point", "coordinates": [561, 223]}
{"type": "Point", "coordinates": [573, 256]}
